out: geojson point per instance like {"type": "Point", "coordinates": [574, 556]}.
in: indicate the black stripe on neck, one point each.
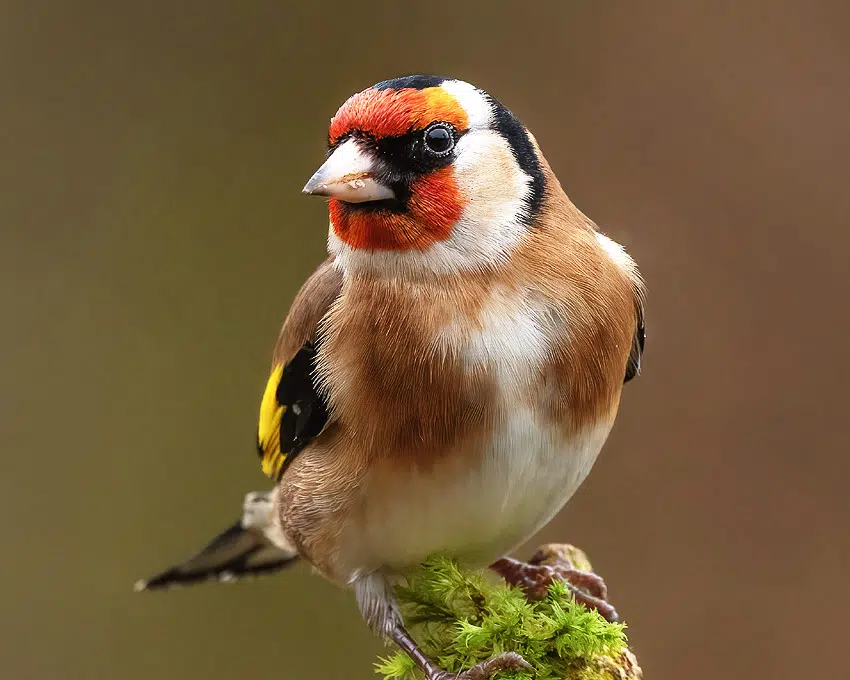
{"type": "Point", "coordinates": [507, 125]}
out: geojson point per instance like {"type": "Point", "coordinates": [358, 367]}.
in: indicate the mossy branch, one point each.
{"type": "Point", "coordinates": [460, 618]}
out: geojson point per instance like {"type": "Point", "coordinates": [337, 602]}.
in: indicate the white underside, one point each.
{"type": "Point", "coordinates": [478, 513]}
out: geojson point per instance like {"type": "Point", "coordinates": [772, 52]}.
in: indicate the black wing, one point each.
{"type": "Point", "coordinates": [305, 409]}
{"type": "Point", "coordinates": [633, 365]}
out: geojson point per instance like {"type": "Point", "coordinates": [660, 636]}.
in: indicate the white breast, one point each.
{"type": "Point", "coordinates": [525, 473]}
{"type": "Point", "coordinates": [529, 473]}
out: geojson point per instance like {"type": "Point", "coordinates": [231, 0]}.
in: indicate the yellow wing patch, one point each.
{"type": "Point", "coordinates": [268, 433]}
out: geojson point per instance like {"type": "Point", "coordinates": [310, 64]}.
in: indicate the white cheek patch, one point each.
{"type": "Point", "coordinates": [496, 190]}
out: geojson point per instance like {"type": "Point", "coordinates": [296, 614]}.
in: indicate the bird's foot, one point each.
{"type": "Point", "coordinates": [482, 671]}
{"type": "Point", "coordinates": [506, 661]}
{"type": "Point", "coordinates": [554, 562]}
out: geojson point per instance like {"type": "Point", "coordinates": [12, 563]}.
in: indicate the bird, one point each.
{"type": "Point", "coordinates": [446, 378]}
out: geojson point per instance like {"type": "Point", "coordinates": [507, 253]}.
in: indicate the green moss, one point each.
{"type": "Point", "coordinates": [461, 618]}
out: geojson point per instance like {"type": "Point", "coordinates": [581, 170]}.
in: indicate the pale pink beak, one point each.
{"type": "Point", "coordinates": [347, 175]}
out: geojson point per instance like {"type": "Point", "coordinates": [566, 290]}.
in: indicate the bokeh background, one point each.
{"type": "Point", "coordinates": [152, 235]}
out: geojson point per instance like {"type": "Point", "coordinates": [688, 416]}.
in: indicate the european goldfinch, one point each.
{"type": "Point", "coordinates": [445, 380]}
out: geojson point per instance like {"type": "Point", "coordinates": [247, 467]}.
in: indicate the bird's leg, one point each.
{"type": "Point", "coordinates": [535, 577]}
{"type": "Point", "coordinates": [379, 609]}
{"type": "Point", "coordinates": [481, 671]}
{"type": "Point", "coordinates": [408, 645]}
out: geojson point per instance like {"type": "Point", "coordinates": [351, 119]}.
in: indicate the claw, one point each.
{"type": "Point", "coordinates": [481, 671]}
{"type": "Point", "coordinates": [535, 578]}
{"type": "Point", "coordinates": [486, 669]}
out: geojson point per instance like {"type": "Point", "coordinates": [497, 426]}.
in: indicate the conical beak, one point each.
{"type": "Point", "coordinates": [348, 175]}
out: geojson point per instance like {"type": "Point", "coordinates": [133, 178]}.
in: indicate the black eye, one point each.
{"type": "Point", "coordinates": [439, 139]}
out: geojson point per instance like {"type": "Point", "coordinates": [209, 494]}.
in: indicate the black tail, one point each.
{"type": "Point", "coordinates": [232, 555]}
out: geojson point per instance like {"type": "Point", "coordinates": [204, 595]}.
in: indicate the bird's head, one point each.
{"type": "Point", "coordinates": [427, 175]}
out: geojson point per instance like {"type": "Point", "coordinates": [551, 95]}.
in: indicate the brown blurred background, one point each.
{"type": "Point", "coordinates": [152, 235]}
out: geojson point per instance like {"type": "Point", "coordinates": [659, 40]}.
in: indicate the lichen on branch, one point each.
{"type": "Point", "coordinates": [462, 617]}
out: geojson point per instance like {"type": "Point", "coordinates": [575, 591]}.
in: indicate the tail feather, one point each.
{"type": "Point", "coordinates": [244, 549]}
